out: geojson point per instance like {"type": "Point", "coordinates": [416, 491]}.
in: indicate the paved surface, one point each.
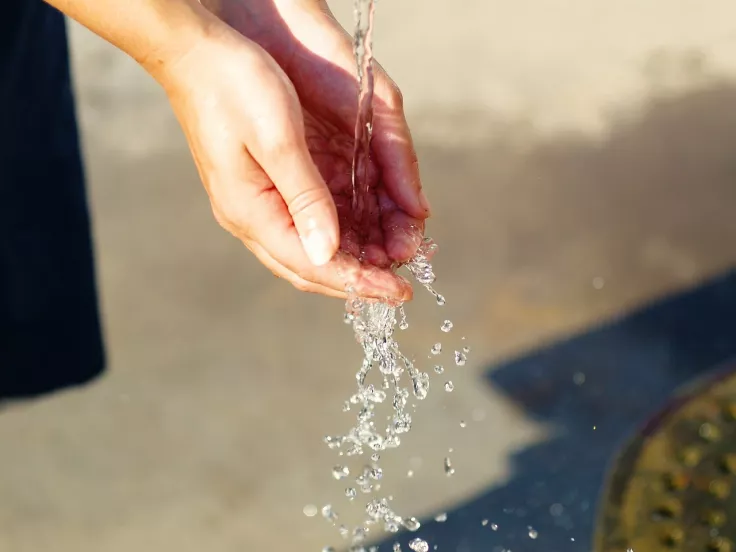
{"type": "Point", "coordinates": [581, 164]}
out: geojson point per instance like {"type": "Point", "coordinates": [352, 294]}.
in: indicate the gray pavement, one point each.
{"type": "Point", "coordinates": [580, 160]}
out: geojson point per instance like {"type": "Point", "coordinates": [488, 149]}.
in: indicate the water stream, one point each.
{"type": "Point", "coordinates": [386, 375]}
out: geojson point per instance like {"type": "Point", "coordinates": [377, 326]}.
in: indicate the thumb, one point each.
{"type": "Point", "coordinates": [307, 197]}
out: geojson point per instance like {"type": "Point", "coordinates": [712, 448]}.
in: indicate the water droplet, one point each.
{"type": "Point", "coordinates": [400, 399]}
{"type": "Point", "coordinates": [412, 524]}
{"type": "Point", "coordinates": [344, 532]}
{"type": "Point", "coordinates": [396, 547]}
{"type": "Point", "coordinates": [375, 457]}
{"type": "Point", "coordinates": [466, 349]}
{"type": "Point", "coordinates": [346, 406]}
{"type": "Point", "coordinates": [463, 424]}
{"type": "Point", "coordinates": [446, 326]}
{"type": "Point", "coordinates": [410, 473]}
{"type": "Point", "coordinates": [403, 324]}
{"type": "Point", "coordinates": [441, 518]}
{"type": "Point", "coordinates": [376, 473]}
{"type": "Point", "coordinates": [392, 526]}
{"type": "Point", "coordinates": [533, 534]}
{"type": "Point", "coordinates": [421, 385]}
{"type": "Point", "coordinates": [578, 378]}
{"type": "Point", "coordinates": [333, 442]}
{"type": "Point", "coordinates": [494, 527]}
{"type": "Point", "coordinates": [449, 386]}
{"type": "Point", "coordinates": [460, 358]}
{"type": "Point", "coordinates": [556, 510]}
{"type": "Point", "coordinates": [440, 300]}
{"type": "Point", "coordinates": [439, 369]}
{"type": "Point", "coordinates": [419, 545]}
{"type": "Point", "coordinates": [350, 492]}
{"type": "Point", "coordinates": [436, 348]}
{"type": "Point", "coordinates": [310, 510]}
{"type": "Point", "coordinates": [377, 508]}
{"type": "Point", "coordinates": [329, 514]}
{"type": "Point", "coordinates": [449, 470]}
{"type": "Point", "coordinates": [359, 535]}
{"type": "Point", "coordinates": [340, 472]}
{"type": "Point", "coordinates": [328, 549]}
{"type": "Point", "coordinates": [484, 522]}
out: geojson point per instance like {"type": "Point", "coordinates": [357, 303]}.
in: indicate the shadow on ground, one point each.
{"type": "Point", "coordinates": [592, 390]}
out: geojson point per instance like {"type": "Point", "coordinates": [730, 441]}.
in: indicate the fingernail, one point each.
{"type": "Point", "coordinates": [424, 202]}
{"type": "Point", "coordinates": [319, 246]}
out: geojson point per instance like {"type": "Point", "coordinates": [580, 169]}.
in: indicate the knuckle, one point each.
{"type": "Point", "coordinates": [279, 147]}
{"type": "Point", "coordinates": [305, 200]}
{"type": "Point", "coordinates": [232, 218]}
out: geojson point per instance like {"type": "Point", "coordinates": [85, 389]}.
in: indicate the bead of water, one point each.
{"type": "Point", "coordinates": [412, 524]}
{"type": "Point", "coordinates": [340, 472]}
{"type": "Point", "coordinates": [449, 470]}
{"type": "Point", "coordinates": [419, 545]}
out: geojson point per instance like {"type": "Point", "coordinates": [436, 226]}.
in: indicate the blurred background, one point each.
{"type": "Point", "coordinates": [581, 162]}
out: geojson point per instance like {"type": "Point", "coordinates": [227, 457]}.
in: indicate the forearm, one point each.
{"type": "Point", "coordinates": [156, 33]}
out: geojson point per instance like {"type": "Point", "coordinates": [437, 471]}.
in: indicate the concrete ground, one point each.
{"type": "Point", "coordinates": [580, 159]}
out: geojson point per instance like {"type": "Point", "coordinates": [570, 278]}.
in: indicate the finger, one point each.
{"type": "Point", "coordinates": [279, 146]}
{"type": "Point", "coordinates": [270, 225]}
{"type": "Point", "coordinates": [403, 233]}
{"type": "Point", "coordinates": [297, 281]}
{"type": "Point", "coordinates": [394, 149]}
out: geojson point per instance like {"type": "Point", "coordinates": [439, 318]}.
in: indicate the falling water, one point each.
{"type": "Point", "coordinates": [397, 378]}
{"type": "Point", "coordinates": [363, 48]}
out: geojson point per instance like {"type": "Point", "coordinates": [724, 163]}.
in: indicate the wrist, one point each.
{"type": "Point", "coordinates": [181, 32]}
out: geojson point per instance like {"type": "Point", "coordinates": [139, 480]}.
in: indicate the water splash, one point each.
{"type": "Point", "coordinates": [374, 323]}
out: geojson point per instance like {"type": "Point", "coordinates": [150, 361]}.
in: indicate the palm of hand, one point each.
{"type": "Point", "coordinates": [377, 238]}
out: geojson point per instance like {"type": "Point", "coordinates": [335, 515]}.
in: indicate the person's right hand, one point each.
{"type": "Point", "coordinates": [245, 127]}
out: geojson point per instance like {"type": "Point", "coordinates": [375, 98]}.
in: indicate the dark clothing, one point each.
{"type": "Point", "coordinates": [50, 334]}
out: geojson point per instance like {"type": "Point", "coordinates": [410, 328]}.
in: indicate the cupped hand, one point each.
{"type": "Point", "coordinates": [317, 55]}
{"type": "Point", "coordinates": [276, 162]}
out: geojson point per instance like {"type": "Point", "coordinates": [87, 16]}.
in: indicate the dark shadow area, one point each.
{"type": "Point", "coordinates": [593, 390]}
{"type": "Point", "coordinates": [666, 177]}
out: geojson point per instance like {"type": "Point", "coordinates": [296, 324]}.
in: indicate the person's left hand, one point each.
{"type": "Point", "coordinates": [316, 54]}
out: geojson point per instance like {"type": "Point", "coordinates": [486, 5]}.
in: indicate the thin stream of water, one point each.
{"type": "Point", "coordinates": [397, 378]}
{"type": "Point", "coordinates": [363, 48]}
